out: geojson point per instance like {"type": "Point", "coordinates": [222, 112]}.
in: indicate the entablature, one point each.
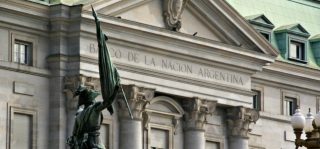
{"type": "Point", "coordinates": [308, 73]}
{"type": "Point", "coordinates": [24, 13]}
{"type": "Point", "coordinates": [139, 50]}
{"type": "Point", "coordinates": [290, 76]}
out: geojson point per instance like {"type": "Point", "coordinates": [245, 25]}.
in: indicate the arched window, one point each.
{"type": "Point", "coordinates": [162, 119]}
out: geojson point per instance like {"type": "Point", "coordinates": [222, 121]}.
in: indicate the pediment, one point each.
{"type": "Point", "coordinates": [260, 20]}
{"type": "Point", "coordinates": [294, 29]}
{"type": "Point", "coordinates": [206, 19]}
{"type": "Point", "coordinates": [151, 12]}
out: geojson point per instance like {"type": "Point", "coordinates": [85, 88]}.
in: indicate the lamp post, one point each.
{"type": "Point", "coordinates": [311, 126]}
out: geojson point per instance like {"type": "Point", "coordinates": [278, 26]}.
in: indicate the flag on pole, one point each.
{"type": "Point", "coordinates": [109, 76]}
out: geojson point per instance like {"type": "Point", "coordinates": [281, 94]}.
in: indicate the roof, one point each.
{"type": "Point", "coordinates": [260, 19]}
{"type": "Point", "coordinates": [283, 12]}
{"type": "Point", "coordinates": [294, 29]}
{"type": "Point", "coordinates": [315, 38]}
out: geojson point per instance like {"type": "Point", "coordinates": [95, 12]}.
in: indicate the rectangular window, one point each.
{"type": "Point", "coordinates": [105, 131]}
{"type": "Point", "coordinates": [212, 145]}
{"type": "Point", "coordinates": [22, 128]}
{"type": "Point", "coordinates": [256, 103]}
{"type": "Point", "coordinates": [22, 52]}
{"type": "Point", "coordinates": [297, 51]}
{"type": "Point", "coordinates": [289, 106]}
{"type": "Point", "coordinates": [266, 36]}
{"type": "Point", "coordinates": [159, 138]}
{"type": "Point", "coordinates": [22, 131]}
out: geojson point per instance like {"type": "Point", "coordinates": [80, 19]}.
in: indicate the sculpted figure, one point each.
{"type": "Point", "coordinates": [172, 13]}
{"type": "Point", "coordinates": [88, 120]}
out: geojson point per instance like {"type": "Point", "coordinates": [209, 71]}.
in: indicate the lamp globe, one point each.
{"type": "Point", "coordinates": [298, 120]}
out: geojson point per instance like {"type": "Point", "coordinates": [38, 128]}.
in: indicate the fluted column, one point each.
{"type": "Point", "coordinates": [239, 120]}
{"type": "Point", "coordinates": [195, 119]}
{"type": "Point", "coordinates": [131, 130]}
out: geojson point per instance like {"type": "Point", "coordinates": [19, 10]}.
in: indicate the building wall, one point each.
{"type": "Point", "coordinates": [27, 92]}
{"type": "Point", "coordinates": [66, 56]}
{"type": "Point", "coordinates": [24, 89]}
{"type": "Point", "coordinates": [276, 126]}
{"type": "Point", "coordinates": [273, 124]}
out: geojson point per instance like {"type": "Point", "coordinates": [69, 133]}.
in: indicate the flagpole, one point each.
{"type": "Point", "coordinates": [127, 104]}
{"type": "Point", "coordinates": [113, 78]}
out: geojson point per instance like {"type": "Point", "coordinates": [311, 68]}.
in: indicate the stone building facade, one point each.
{"type": "Point", "coordinates": [197, 74]}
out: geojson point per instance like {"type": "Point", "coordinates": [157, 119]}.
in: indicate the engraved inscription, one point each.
{"type": "Point", "coordinates": [92, 48]}
{"type": "Point", "coordinates": [168, 64]}
{"type": "Point", "coordinates": [218, 75]}
{"type": "Point", "coordinates": [180, 67]}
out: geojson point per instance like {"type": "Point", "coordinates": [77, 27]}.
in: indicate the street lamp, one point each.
{"type": "Point", "coordinates": [311, 126]}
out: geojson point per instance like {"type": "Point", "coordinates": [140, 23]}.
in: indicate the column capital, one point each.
{"type": "Point", "coordinates": [138, 98]}
{"type": "Point", "coordinates": [71, 83]}
{"type": "Point", "coordinates": [239, 120]}
{"type": "Point", "coordinates": [196, 111]}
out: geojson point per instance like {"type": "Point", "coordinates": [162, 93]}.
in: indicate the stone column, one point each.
{"type": "Point", "coordinates": [195, 119]}
{"type": "Point", "coordinates": [131, 130]}
{"type": "Point", "coordinates": [59, 64]}
{"type": "Point", "coordinates": [239, 120]}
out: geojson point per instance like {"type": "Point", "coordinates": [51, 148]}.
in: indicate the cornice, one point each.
{"type": "Point", "coordinates": [29, 15]}
{"type": "Point", "coordinates": [62, 58]}
{"type": "Point", "coordinates": [269, 26]}
{"type": "Point", "coordinates": [23, 19]}
{"type": "Point", "coordinates": [267, 23]}
{"type": "Point", "coordinates": [26, 8]}
{"type": "Point", "coordinates": [304, 35]}
{"type": "Point", "coordinates": [24, 16]}
{"type": "Point", "coordinates": [275, 117]}
{"type": "Point", "coordinates": [307, 73]}
{"type": "Point", "coordinates": [290, 76]}
{"type": "Point", "coordinates": [290, 30]}
{"type": "Point", "coordinates": [114, 7]}
{"type": "Point", "coordinates": [285, 85]}
{"type": "Point", "coordinates": [24, 29]}
{"type": "Point", "coordinates": [10, 66]}
{"type": "Point", "coordinates": [245, 27]}
{"type": "Point", "coordinates": [203, 12]}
